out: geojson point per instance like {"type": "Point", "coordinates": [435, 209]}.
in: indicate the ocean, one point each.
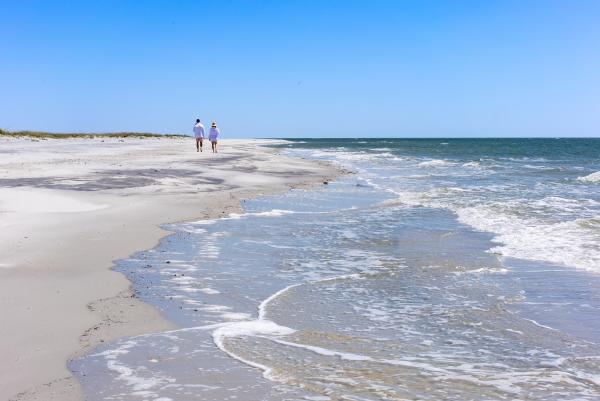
{"type": "Point", "coordinates": [440, 269]}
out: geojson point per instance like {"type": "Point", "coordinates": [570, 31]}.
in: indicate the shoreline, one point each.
{"type": "Point", "coordinates": [64, 250]}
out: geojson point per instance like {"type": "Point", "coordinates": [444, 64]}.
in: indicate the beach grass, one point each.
{"type": "Point", "coordinates": [55, 135]}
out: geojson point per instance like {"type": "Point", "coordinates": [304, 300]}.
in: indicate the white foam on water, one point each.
{"type": "Point", "coordinates": [193, 302]}
{"type": "Point", "coordinates": [436, 163]}
{"type": "Point", "coordinates": [268, 243]}
{"type": "Point", "coordinates": [250, 328]}
{"type": "Point", "coordinates": [259, 327]}
{"type": "Point", "coordinates": [347, 159]}
{"type": "Point", "coordinates": [519, 230]}
{"type": "Point", "coordinates": [506, 382]}
{"type": "Point", "coordinates": [140, 385]}
{"type": "Point", "coordinates": [374, 314]}
{"type": "Point", "coordinates": [262, 308]}
{"type": "Point", "coordinates": [540, 325]}
{"type": "Point", "coordinates": [571, 243]}
{"type": "Point", "coordinates": [183, 279]}
{"type": "Point", "coordinates": [215, 308]}
{"type": "Point", "coordinates": [210, 291]}
{"type": "Point", "coordinates": [235, 316]}
{"type": "Point", "coordinates": [188, 289]}
{"type": "Point", "coordinates": [593, 178]}
{"type": "Point", "coordinates": [208, 247]}
{"type": "Point", "coordinates": [196, 230]}
{"type": "Point", "coordinates": [205, 222]}
{"type": "Point", "coordinates": [347, 356]}
{"type": "Point", "coordinates": [560, 204]}
{"type": "Point", "coordinates": [237, 216]}
{"type": "Point", "coordinates": [408, 198]}
{"type": "Point", "coordinates": [484, 270]}
{"type": "Point", "coordinates": [271, 213]}
{"type": "Point", "coordinates": [538, 167]}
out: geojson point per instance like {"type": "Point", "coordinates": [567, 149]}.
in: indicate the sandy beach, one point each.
{"type": "Point", "coordinates": [70, 207]}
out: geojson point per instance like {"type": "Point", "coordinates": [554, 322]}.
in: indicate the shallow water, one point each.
{"type": "Point", "coordinates": [420, 277]}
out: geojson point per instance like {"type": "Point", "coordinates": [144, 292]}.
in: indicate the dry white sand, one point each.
{"type": "Point", "coordinates": [69, 207]}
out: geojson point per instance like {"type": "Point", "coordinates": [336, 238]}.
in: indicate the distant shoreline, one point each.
{"type": "Point", "coordinates": [67, 135]}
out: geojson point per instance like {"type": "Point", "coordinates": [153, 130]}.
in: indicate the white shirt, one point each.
{"type": "Point", "coordinates": [199, 130]}
{"type": "Point", "coordinates": [213, 134]}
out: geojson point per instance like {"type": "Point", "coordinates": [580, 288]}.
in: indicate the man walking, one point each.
{"type": "Point", "coordinates": [199, 135]}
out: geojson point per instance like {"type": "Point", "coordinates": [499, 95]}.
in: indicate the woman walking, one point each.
{"type": "Point", "coordinates": [213, 134]}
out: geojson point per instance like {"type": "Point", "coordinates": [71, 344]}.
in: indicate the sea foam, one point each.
{"type": "Point", "coordinates": [573, 243]}
{"type": "Point", "coordinates": [594, 177]}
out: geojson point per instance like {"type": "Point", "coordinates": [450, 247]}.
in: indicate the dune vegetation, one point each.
{"type": "Point", "coordinates": [55, 135]}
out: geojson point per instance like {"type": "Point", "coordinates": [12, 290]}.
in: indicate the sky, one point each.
{"type": "Point", "coordinates": [306, 68]}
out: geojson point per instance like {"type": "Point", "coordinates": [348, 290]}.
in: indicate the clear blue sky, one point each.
{"type": "Point", "coordinates": [303, 68]}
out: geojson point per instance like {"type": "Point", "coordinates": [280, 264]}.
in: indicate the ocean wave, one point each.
{"type": "Point", "coordinates": [413, 176]}
{"type": "Point", "coordinates": [541, 168]}
{"type": "Point", "coordinates": [437, 197]}
{"type": "Point", "coordinates": [573, 243]}
{"type": "Point", "coordinates": [594, 177]}
{"type": "Point", "coordinates": [524, 158]}
{"type": "Point", "coordinates": [342, 156]}
{"type": "Point", "coordinates": [436, 163]}
{"type": "Point", "coordinates": [523, 228]}
{"type": "Point", "coordinates": [557, 203]}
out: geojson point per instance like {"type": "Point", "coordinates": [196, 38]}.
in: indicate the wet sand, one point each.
{"type": "Point", "coordinates": [70, 207]}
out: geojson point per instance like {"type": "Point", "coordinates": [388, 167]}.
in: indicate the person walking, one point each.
{"type": "Point", "coordinates": [198, 134]}
{"type": "Point", "coordinates": [213, 134]}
